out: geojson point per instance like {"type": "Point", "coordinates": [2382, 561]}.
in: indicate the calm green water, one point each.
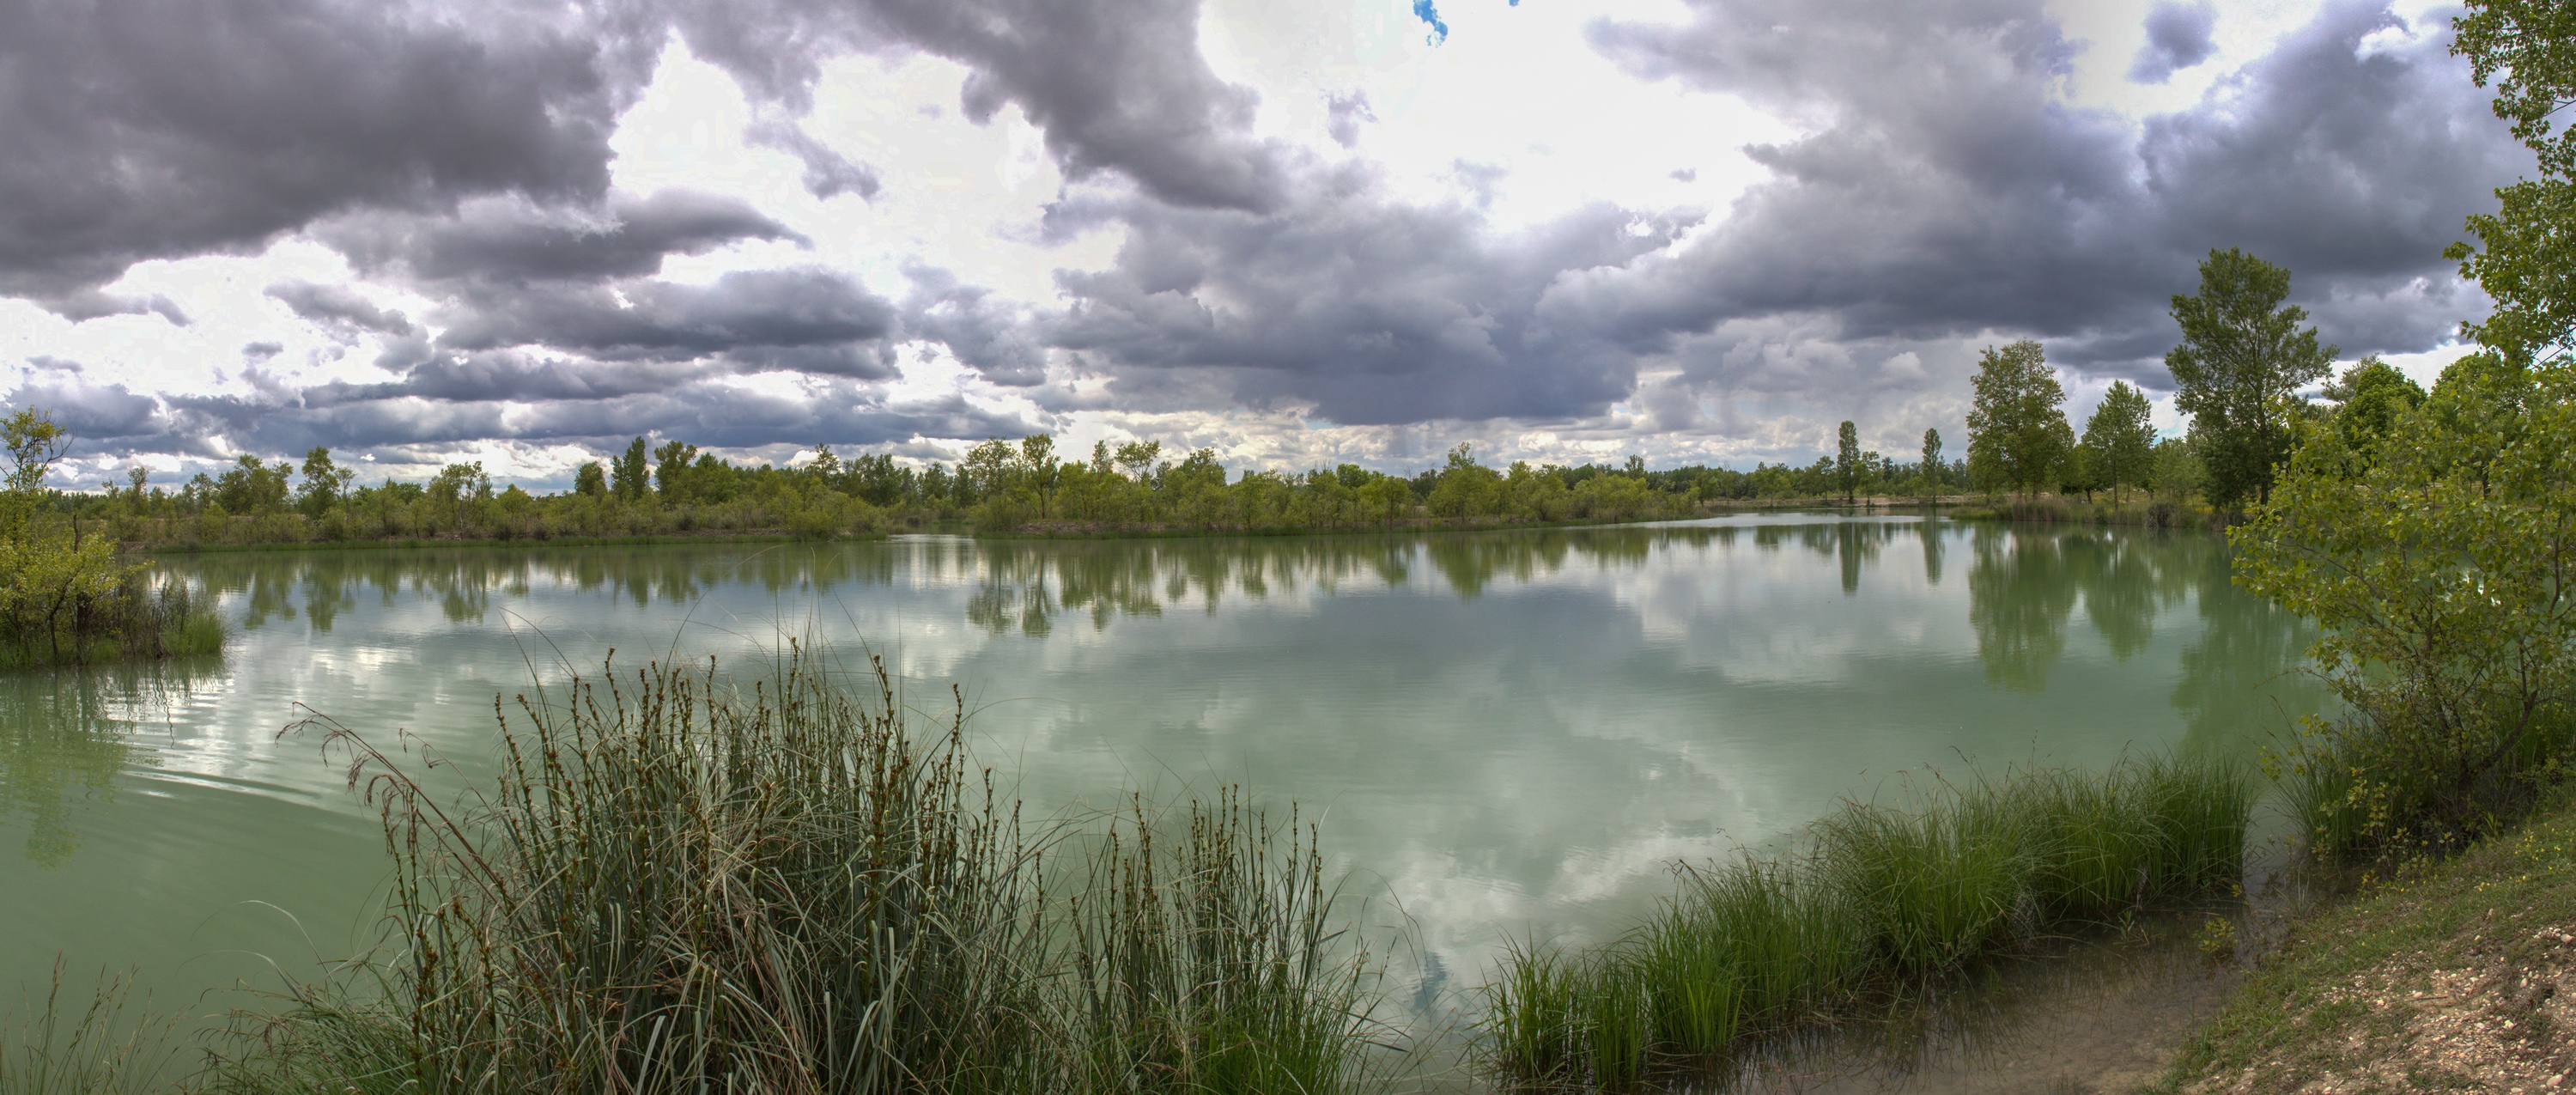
{"type": "Point", "coordinates": [1513, 733]}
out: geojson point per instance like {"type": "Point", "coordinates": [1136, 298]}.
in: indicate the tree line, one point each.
{"type": "Point", "coordinates": [2238, 371]}
{"type": "Point", "coordinates": [676, 488]}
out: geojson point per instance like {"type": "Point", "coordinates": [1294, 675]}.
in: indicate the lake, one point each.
{"type": "Point", "coordinates": [1506, 735]}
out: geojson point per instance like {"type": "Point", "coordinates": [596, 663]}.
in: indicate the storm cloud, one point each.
{"type": "Point", "coordinates": [1952, 191]}
{"type": "Point", "coordinates": [2178, 37]}
{"type": "Point", "coordinates": [1116, 85]}
{"type": "Point", "coordinates": [1937, 184]}
{"type": "Point", "coordinates": [154, 130]}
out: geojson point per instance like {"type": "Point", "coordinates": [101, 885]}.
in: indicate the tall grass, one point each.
{"type": "Point", "coordinates": [679, 885]}
{"type": "Point", "coordinates": [109, 1047]}
{"type": "Point", "coordinates": [1882, 894]}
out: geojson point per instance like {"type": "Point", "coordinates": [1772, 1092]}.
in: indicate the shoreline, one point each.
{"type": "Point", "coordinates": [2457, 973]}
{"type": "Point", "coordinates": [1952, 507]}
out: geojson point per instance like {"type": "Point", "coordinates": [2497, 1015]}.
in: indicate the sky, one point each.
{"type": "Point", "coordinates": [1299, 232]}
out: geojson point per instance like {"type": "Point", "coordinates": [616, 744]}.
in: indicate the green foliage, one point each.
{"type": "Point", "coordinates": [2526, 253]}
{"type": "Point", "coordinates": [252, 487]}
{"type": "Point", "coordinates": [1847, 459]}
{"type": "Point", "coordinates": [2242, 359]}
{"type": "Point", "coordinates": [999, 486]}
{"type": "Point", "coordinates": [2176, 473]}
{"type": "Point", "coordinates": [2370, 397]}
{"type": "Point", "coordinates": [2119, 440]}
{"type": "Point", "coordinates": [66, 598]}
{"type": "Point", "coordinates": [324, 483]}
{"type": "Point", "coordinates": [629, 473]}
{"type": "Point", "coordinates": [2017, 433]}
{"type": "Point", "coordinates": [1886, 894]}
{"type": "Point", "coordinates": [34, 442]}
{"type": "Point", "coordinates": [2439, 564]}
{"type": "Point", "coordinates": [1931, 464]}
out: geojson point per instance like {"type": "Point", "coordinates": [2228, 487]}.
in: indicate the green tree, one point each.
{"type": "Point", "coordinates": [2242, 359]}
{"type": "Point", "coordinates": [2525, 258]}
{"type": "Point", "coordinates": [1847, 465]}
{"type": "Point", "coordinates": [630, 474]}
{"type": "Point", "coordinates": [2370, 397]}
{"type": "Point", "coordinates": [253, 487]}
{"type": "Point", "coordinates": [1932, 462]}
{"type": "Point", "coordinates": [35, 443]}
{"type": "Point", "coordinates": [589, 480]}
{"type": "Point", "coordinates": [1038, 467]}
{"type": "Point", "coordinates": [1466, 488]}
{"type": "Point", "coordinates": [671, 462]}
{"type": "Point", "coordinates": [2017, 431]}
{"type": "Point", "coordinates": [325, 483]}
{"type": "Point", "coordinates": [51, 580]}
{"type": "Point", "coordinates": [987, 470]}
{"type": "Point", "coordinates": [2441, 568]}
{"type": "Point", "coordinates": [1138, 457]}
{"type": "Point", "coordinates": [2119, 439]}
{"type": "Point", "coordinates": [457, 489]}
{"type": "Point", "coordinates": [2175, 469]}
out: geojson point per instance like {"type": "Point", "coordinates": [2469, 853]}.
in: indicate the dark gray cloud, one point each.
{"type": "Point", "coordinates": [1116, 85]}
{"type": "Point", "coordinates": [989, 335]}
{"type": "Point", "coordinates": [1368, 310]}
{"type": "Point", "coordinates": [1949, 191]}
{"type": "Point", "coordinates": [744, 312]}
{"type": "Point", "coordinates": [94, 413]}
{"type": "Point", "coordinates": [510, 241]}
{"type": "Point", "coordinates": [1942, 189]}
{"type": "Point", "coordinates": [827, 172]}
{"type": "Point", "coordinates": [143, 130]}
{"type": "Point", "coordinates": [339, 307]}
{"type": "Point", "coordinates": [510, 377]}
{"type": "Point", "coordinates": [86, 304]}
{"type": "Point", "coordinates": [704, 411]}
{"type": "Point", "coordinates": [2178, 37]}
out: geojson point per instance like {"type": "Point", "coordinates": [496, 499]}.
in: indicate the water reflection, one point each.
{"type": "Point", "coordinates": [1518, 732]}
{"type": "Point", "coordinates": [66, 736]}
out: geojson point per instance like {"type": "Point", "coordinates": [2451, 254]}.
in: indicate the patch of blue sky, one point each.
{"type": "Point", "coordinates": [1430, 16]}
{"type": "Point", "coordinates": [1426, 11]}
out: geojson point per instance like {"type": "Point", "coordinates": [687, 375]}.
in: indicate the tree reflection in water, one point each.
{"type": "Point", "coordinates": [2025, 584]}
{"type": "Point", "coordinates": [66, 734]}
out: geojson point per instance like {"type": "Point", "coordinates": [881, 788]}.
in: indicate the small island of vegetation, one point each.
{"type": "Point", "coordinates": [68, 595]}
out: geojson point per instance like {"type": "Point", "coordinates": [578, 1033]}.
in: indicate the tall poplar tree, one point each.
{"type": "Point", "coordinates": [2242, 359]}
{"type": "Point", "coordinates": [1847, 460]}
{"type": "Point", "coordinates": [2119, 440]}
{"type": "Point", "coordinates": [1932, 462]}
{"type": "Point", "coordinates": [2017, 431]}
{"type": "Point", "coordinates": [631, 474]}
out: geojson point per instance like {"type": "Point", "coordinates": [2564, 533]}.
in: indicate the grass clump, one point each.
{"type": "Point", "coordinates": [1883, 894]}
{"type": "Point", "coordinates": [679, 885]}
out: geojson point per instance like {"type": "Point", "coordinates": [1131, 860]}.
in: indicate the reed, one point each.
{"type": "Point", "coordinates": [676, 884]}
{"type": "Point", "coordinates": [1879, 895]}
